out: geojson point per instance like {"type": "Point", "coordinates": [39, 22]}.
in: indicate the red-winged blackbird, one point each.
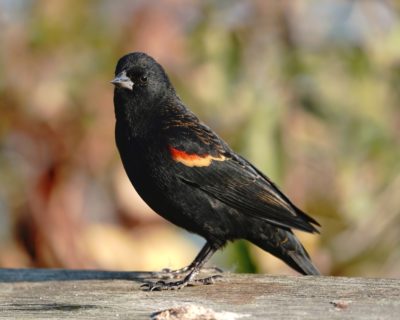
{"type": "Point", "coordinates": [190, 176]}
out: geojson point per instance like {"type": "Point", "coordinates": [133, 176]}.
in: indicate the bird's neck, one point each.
{"type": "Point", "coordinates": [139, 119]}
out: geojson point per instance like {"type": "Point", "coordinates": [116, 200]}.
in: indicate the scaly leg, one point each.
{"type": "Point", "coordinates": [167, 273]}
{"type": "Point", "coordinates": [192, 270]}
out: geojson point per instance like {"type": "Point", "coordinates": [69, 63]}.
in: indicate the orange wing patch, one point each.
{"type": "Point", "coordinates": [192, 159]}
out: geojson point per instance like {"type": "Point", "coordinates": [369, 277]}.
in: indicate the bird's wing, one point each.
{"type": "Point", "coordinates": [201, 159]}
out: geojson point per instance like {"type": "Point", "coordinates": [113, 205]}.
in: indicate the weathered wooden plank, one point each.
{"type": "Point", "coordinates": [59, 294]}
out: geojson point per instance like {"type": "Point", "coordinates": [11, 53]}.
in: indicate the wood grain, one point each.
{"type": "Point", "coordinates": [60, 294]}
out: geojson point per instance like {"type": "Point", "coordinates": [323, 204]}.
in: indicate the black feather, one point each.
{"type": "Point", "coordinates": [214, 192]}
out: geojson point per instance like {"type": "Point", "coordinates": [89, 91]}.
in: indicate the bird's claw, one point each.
{"type": "Point", "coordinates": [162, 285]}
{"type": "Point", "coordinates": [208, 280]}
{"type": "Point", "coordinates": [167, 273]}
{"type": "Point", "coordinates": [176, 285]}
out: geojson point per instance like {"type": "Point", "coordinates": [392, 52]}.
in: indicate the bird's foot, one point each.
{"type": "Point", "coordinates": [174, 274]}
{"type": "Point", "coordinates": [167, 273]}
{"type": "Point", "coordinates": [208, 280]}
{"type": "Point", "coordinates": [163, 285]}
{"type": "Point", "coordinates": [176, 285]}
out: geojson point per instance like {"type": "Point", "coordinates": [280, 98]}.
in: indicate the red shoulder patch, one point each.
{"type": "Point", "coordinates": [193, 159]}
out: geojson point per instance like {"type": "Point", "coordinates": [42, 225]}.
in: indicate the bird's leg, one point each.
{"type": "Point", "coordinates": [193, 269]}
{"type": "Point", "coordinates": [174, 274]}
{"type": "Point", "coordinates": [167, 273]}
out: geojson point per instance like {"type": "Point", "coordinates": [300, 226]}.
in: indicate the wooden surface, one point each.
{"type": "Point", "coordinates": [59, 294]}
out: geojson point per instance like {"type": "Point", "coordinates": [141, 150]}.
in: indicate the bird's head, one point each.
{"type": "Point", "coordinates": [138, 75]}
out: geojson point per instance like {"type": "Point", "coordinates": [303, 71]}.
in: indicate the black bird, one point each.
{"type": "Point", "coordinates": [191, 177]}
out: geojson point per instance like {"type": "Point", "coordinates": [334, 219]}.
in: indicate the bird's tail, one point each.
{"type": "Point", "coordinates": [284, 245]}
{"type": "Point", "coordinates": [301, 262]}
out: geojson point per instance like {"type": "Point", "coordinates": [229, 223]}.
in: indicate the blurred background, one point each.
{"type": "Point", "coordinates": [308, 91]}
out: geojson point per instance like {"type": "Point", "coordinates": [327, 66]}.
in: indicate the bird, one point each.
{"type": "Point", "coordinates": [188, 175]}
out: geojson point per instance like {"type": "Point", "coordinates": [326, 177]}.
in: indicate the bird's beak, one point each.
{"type": "Point", "coordinates": [123, 81]}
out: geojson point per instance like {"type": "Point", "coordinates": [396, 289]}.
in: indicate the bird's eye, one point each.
{"type": "Point", "coordinates": [143, 79]}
